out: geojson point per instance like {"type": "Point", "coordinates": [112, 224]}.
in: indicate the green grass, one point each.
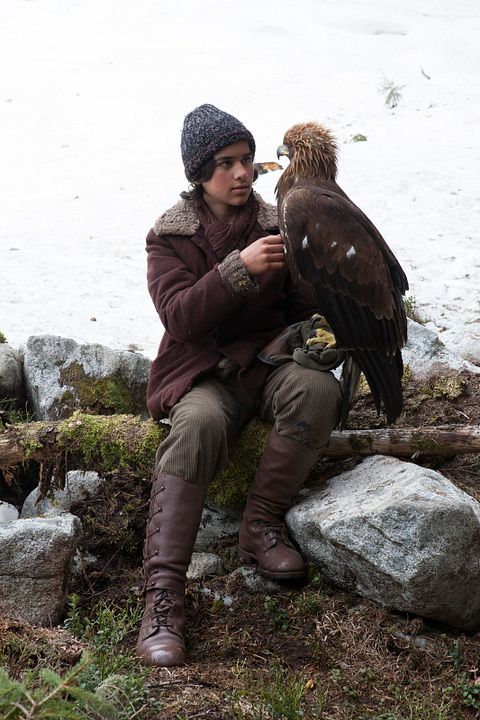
{"type": "Point", "coordinates": [278, 696]}
{"type": "Point", "coordinates": [108, 682]}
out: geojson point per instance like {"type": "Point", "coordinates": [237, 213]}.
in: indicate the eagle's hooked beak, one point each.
{"type": "Point", "coordinates": [283, 150]}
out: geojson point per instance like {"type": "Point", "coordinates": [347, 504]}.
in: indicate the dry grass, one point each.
{"type": "Point", "coordinates": [313, 648]}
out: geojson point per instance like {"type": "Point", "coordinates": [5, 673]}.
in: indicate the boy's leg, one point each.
{"type": "Point", "coordinates": [303, 405]}
{"type": "Point", "coordinates": [195, 449]}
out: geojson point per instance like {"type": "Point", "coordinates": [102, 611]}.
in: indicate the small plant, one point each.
{"type": "Point", "coordinates": [3, 339]}
{"type": "Point", "coordinates": [469, 687]}
{"type": "Point", "coordinates": [12, 415]}
{"type": "Point", "coordinates": [277, 615]}
{"type": "Point", "coordinates": [411, 310]}
{"type": "Point", "coordinates": [280, 697]}
{"type": "Point", "coordinates": [310, 603]}
{"type": "Point", "coordinates": [49, 695]}
{"type": "Point", "coordinates": [391, 91]}
{"type": "Point", "coordinates": [74, 622]}
{"type": "Point", "coordinates": [359, 138]}
{"type": "Point", "coordinates": [470, 691]}
{"type": "Point", "coordinates": [104, 631]}
{"type": "Point", "coordinates": [315, 577]}
{"type": "Point", "coordinates": [111, 624]}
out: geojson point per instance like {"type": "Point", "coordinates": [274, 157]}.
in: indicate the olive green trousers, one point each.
{"type": "Point", "coordinates": [303, 404]}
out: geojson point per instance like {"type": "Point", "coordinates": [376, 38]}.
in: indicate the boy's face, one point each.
{"type": "Point", "coordinates": [232, 179]}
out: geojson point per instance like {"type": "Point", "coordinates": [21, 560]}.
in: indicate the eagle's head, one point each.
{"type": "Point", "coordinates": [312, 151]}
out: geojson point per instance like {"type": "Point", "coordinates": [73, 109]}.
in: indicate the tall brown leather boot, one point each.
{"type": "Point", "coordinates": [263, 537]}
{"type": "Point", "coordinates": [173, 521]}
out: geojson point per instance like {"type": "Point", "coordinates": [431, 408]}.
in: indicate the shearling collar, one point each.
{"type": "Point", "coordinates": [181, 219]}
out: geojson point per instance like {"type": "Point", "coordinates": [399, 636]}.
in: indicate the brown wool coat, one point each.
{"type": "Point", "coordinates": [203, 318]}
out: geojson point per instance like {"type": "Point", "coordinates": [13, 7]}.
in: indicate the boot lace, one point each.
{"type": "Point", "coordinates": [275, 534]}
{"type": "Point", "coordinates": [162, 604]}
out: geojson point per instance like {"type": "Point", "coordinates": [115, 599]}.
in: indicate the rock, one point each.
{"type": "Point", "coordinates": [8, 513]}
{"type": "Point", "coordinates": [11, 376]}
{"type": "Point", "coordinates": [204, 564]}
{"type": "Point", "coordinates": [79, 486]}
{"type": "Point", "coordinates": [61, 376]}
{"type": "Point", "coordinates": [398, 534]}
{"type": "Point", "coordinates": [35, 559]}
{"type": "Point", "coordinates": [255, 582]}
{"type": "Point", "coordinates": [465, 341]}
{"type": "Point", "coordinates": [426, 354]}
{"type": "Point", "coordinates": [216, 523]}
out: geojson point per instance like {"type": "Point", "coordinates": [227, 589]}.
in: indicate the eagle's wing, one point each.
{"type": "Point", "coordinates": [357, 282]}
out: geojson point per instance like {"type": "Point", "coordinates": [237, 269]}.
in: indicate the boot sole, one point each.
{"type": "Point", "coordinates": [252, 560]}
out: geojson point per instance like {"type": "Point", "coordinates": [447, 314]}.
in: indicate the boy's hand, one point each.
{"type": "Point", "coordinates": [264, 254]}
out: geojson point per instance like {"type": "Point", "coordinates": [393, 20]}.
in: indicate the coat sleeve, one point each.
{"type": "Point", "coordinates": [189, 307]}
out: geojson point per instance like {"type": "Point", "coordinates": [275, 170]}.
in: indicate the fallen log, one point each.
{"type": "Point", "coordinates": [110, 443]}
{"type": "Point", "coordinates": [405, 442]}
{"type": "Point", "coordinates": [127, 441]}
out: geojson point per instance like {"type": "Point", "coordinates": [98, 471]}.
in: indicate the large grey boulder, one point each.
{"type": "Point", "coordinates": [426, 354]}
{"type": "Point", "coordinates": [79, 486]}
{"type": "Point", "coordinates": [398, 534]}
{"type": "Point", "coordinates": [11, 377]}
{"type": "Point", "coordinates": [61, 375]}
{"type": "Point", "coordinates": [35, 560]}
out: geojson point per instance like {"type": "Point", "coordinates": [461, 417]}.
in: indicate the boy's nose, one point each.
{"type": "Point", "coordinates": [240, 170]}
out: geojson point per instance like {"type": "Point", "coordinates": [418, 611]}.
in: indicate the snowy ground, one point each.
{"type": "Point", "coordinates": [92, 99]}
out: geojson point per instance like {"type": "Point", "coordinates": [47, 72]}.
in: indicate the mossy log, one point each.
{"type": "Point", "coordinates": [116, 441]}
{"type": "Point", "coordinates": [109, 443]}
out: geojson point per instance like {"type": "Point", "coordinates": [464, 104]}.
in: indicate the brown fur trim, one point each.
{"type": "Point", "coordinates": [181, 219]}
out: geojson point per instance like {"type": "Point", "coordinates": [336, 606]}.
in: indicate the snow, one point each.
{"type": "Point", "coordinates": [92, 99]}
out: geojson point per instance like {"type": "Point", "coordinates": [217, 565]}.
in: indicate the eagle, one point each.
{"type": "Point", "coordinates": [342, 261]}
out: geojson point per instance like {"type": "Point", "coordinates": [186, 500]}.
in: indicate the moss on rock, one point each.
{"type": "Point", "coordinates": [103, 396]}
{"type": "Point", "coordinates": [449, 388]}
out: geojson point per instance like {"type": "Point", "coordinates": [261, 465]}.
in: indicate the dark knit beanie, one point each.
{"type": "Point", "coordinates": [207, 130]}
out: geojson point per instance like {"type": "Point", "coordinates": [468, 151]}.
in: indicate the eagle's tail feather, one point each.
{"type": "Point", "coordinates": [384, 377]}
{"type": "Point", "coordinates": [349, 383]}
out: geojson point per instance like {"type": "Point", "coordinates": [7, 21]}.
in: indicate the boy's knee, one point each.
{"type": "Point", "coordinates": [313, 410]}
{"type": "Point", "coordinates": [204, 421]}
{"type": "Point", "coordinates": [315, 389]}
